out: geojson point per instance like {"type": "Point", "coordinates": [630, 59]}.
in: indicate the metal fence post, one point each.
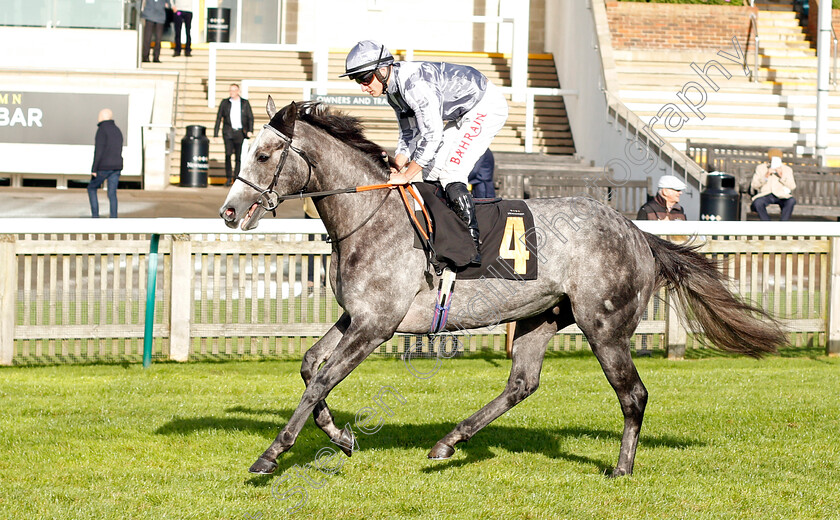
{"type": "Point", "coordinates": [151, 274]}
{"type": "Point", "coordinates": [8, 288]}
{"type": "Point", "coordinates": [181, 298]}
{"type": "Point", "coordinates": [832, 320]}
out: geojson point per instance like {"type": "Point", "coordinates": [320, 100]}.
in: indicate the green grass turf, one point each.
{"type": "Point", "coordinates": [723, 438]}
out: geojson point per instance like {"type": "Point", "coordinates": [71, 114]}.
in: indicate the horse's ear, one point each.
{"type": "Point", "coordinates": [290, 115]}
{"type": "Point", "coordinates": [270, 108]}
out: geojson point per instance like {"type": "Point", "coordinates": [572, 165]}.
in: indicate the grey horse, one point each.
{"type": "Point", "coordinates": [596, 269]}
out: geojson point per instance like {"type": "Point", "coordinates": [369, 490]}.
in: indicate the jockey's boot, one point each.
{"type": "Point", "coordinates": [464, 206]}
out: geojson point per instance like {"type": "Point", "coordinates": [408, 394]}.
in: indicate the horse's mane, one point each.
{"type": "Point", "coordinates": [343, 127]}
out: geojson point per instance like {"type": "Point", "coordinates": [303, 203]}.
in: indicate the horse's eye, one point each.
{"type": "Point", "coordinates": [263, 157]}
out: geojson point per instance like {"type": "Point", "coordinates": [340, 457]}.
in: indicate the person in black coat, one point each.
{"type": "Point", "coordinates": [666, 204]}
{"type": "Point", "coordinates": [182, 17]}
{"type": "Point", "coordinates": [237, 123]}
{"type": "Point", "coordinates": [153, 14]}
{"type": "Point", "coordinates": [107, 162]}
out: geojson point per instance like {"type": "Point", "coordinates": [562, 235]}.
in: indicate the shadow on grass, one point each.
{"type": "Point", "coordinates": [814, 352]}
{"type": "Point", "coordinates": [544, 441]}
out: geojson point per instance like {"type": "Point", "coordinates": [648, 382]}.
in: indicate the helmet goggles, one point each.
{"type": "Point", "coordinates": [364, 78]}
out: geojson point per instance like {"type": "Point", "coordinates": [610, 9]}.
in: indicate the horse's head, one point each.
{"type": "Point", "coordinates": [272, 168]}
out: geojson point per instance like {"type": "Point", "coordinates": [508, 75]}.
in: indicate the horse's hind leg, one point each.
{"type": "Point", "coordinates": [529, 344]}
{"type": "Point", "coordinates": [611, 345]}
{"type": "Point", "coordinates": [319, 353]}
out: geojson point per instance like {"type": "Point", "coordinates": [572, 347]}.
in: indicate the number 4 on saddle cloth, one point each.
{"type": "Point", "coordinates": [508, 242]}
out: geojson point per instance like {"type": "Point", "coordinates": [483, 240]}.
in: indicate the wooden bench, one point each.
{"type": "Point", "coordinates": [509, 182]}
{"type": "Point", "coordinates": [817, 195]}
{"type": "Point", "coordinates": [817, 187]}
{"type": "Point", "coordinates": [817, 190]}
{"type": "Point", "coordinates": [713, 156]}
{"type": "Point", "coordinates": [626, 197]}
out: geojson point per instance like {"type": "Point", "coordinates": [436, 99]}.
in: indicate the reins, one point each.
{"type": "Point", "coordinates": [403, 189]}
{"type": "Point", "coordinates": [270, 199]}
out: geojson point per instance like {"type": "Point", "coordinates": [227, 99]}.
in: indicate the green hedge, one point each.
{"type": "Point", "coordinates": [703, 2]}
{"type": "Point", "coordinates": [834, 3]}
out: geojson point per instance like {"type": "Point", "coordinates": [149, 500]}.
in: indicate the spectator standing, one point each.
{"type": "Point", "coordinates": [237, 121]}
{"type": "Point", "coordinates": [773, 184]}
{"type": "Point", "coordinates": [154, 17]}
{"type": "Point", "coordinates": [107, 162]}
{"type": "Point", "coordinates": [183, 17]}
{"type": "Point", "coordinates": [481, 177]}
{"type": "Point", "coordinates": [666, 204]}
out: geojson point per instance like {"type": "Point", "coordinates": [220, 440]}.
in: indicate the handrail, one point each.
{"type": "Point", "coordinates": [834, 57]}
{"type": "Point", "coordinates": [171, 129]}
{"type": "Point", "coordinates": [284, 226]}
{"type": "Point", "coordinates": [307, 87]}
{"type": "Point", "coordinates": [614, 106]}
{"type": "Point", "coordinates": [754, 24]}
{"type": "Point", "coordinates": [678, 159]}
{"type": "Point", "coordinates": [320, 54]}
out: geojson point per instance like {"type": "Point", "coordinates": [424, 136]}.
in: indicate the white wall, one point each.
{"type": "Point", "coordinates": [400, 24]}
{"type": "Point", "coordinates": [150, 102]}
{"type": "Point", "coordinates": [33, 47]}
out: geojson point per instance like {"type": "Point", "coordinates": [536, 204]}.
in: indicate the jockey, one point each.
{"type": "Point", "coordinates": [448, 115]}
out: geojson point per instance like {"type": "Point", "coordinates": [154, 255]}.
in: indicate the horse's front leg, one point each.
{"type": "Point", "coordinates": [363, 336]}
{"type": "Point", "coordinates": [319, 353]}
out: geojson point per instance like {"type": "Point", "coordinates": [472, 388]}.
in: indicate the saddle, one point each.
{"type": "Point", "coordinates": [508, 246]}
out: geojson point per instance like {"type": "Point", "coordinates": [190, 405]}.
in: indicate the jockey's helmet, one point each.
{"type": "Point", "coordinates": [366, 56]}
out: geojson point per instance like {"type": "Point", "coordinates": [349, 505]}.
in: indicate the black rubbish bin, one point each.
{"type": "Point", "coordinates": [719, 201]}
{"type": "Point", "coordinates": [218, 24]}
{"type": "Point", "coordinates": [195, 149]}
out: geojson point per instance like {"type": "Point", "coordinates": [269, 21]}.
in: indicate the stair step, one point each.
{"type": "Point", "coordinates": [778, 110]}
{"type": "Point", "coordinates": [765, 43]}
{"type": "Point", "coordinates": [770, 8]}
{"type": "Point", "coordinates": [765, 20]}
{"type": "Point", "coordinates": [781, 52]}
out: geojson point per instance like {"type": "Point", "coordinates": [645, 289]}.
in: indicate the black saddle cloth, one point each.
{"type": "Point", "coordinates": [508, 221]}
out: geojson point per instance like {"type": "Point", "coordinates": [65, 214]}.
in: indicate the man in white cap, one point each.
{"type": "Point", "coordinates": [666, 204]}
{"type": "Point", "coordinates": [448, 115]}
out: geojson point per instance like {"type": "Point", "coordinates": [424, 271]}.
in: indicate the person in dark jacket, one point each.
{"type": "Point", "coordinates": [107, 162]}
{"type": "Point", "coordinates": [665, 205]}
{"type": "Point", "coordinates": [182, 18]}
{"type": "Point", "coordinates": [237, 123]}
{"type": "Point", "coordinates": [154, 17]}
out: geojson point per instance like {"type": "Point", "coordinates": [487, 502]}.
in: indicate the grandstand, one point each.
{"type": "Point", "coordinates": [583, 79]}
{"type": "Point", "coordinates": [775, 105]}
{"type": "Point", "coordinates": [551, 136]}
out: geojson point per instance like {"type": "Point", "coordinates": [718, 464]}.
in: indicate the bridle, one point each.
{"type": "Point", "coordinates": [270, 199]}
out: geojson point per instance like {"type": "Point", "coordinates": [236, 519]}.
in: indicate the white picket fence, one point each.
{"type": "Point", "coordinates": [74, 290]}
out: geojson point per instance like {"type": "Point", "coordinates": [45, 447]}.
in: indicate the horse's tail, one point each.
{"type": "Point", "coordinates": [729, 323]}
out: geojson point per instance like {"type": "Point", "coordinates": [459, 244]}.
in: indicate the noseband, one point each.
{"type": "Point", "coordinates": [270, 199]}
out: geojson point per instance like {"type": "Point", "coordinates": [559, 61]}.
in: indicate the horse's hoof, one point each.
{"type": "Point", "coordinates": [346, 441]}
{"type": "Point", "coordinates": [618, 473]}
{"type": "Point", "coordinates": [441, 451]}
{"type": "Point", "coordinates": [263, 467]}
